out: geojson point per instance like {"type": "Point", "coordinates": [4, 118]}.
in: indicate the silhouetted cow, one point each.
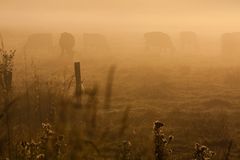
{"type": "Point", "coordinates": [158, 41]}
{"type": "Point", "coordinates": [230, 43]}
{"type": "Point", "coordinates": [188, 41]}
{"type": "Point", "coordinates": [41, 42]}
{"type": "Point", "coordinates": [66, 43]}
{"type": "Point", "coordinates": [94, 42]}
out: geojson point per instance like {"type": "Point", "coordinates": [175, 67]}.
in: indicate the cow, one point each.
{"type": "Point", "coordinates": [94, 42]}
{"type": "Point", "coordinates": [158, 41]}
{"type": "Point", "coordinates": [40, 43]}
{"type": "Point", "coordinates": [67, 42]}
{"type": "Point", "coordinates": [188, 41]}
{"type": "Point", "coordinates": [230, 44]}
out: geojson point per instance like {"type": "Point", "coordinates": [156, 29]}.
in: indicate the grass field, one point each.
{"type": "Point", "coordinates": [196, 97]}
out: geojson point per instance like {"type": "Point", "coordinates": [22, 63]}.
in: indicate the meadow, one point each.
{"type": "Point", "coordinates": [132, 105]}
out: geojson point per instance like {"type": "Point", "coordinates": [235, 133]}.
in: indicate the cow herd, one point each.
{"type": "Point", "coordinates": [154, 41]}
{"type": "Point", "coordinates": [43, 43]}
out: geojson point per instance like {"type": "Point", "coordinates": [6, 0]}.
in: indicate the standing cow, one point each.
{"type": "Point", "coordinates": [230, 43]}
{"type": "Point", "coordinates": [94, 42]}
{"type": "Point", "coordinates": [39, 44]}
{"type": "Point", "coordinates": [158, 41]}
{"type": "Point", "coordinates": [188, 41]}
{"type": "Point", "coordinates": [66, 43]}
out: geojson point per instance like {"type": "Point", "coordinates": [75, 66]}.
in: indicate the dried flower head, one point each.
{"type": "Point", "coordinates": [158, 124]}
{"type": "Point", "coordinates": [202, 152]}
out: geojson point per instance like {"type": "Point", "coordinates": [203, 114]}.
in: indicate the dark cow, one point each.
{"type": "Point", "coordinates": [230, 43]}
{"type": "Point", "coordinates": [94, 42]}
{"type": "Point", "coordinates": [42, 42]}
{"type": "Point", "coordinates": [188, 41]}
{"type": "Point", "coordinates": [66, 43]}
{"type": "Point", "coordinates": [158, 41]}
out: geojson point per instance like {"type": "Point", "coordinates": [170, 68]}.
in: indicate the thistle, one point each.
{"type": "Point", "coordinates": [202, 152]}
{"type": "Point", "coordinates": [49, 146]}
{"type": "Point", "coordinates": [161, 142]}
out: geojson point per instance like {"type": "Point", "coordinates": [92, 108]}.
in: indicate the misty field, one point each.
{"type": "Point", "coordinates": [126, 103]}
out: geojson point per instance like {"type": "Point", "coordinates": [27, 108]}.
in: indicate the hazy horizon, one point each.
{"type": "Point", "coordinates": [115, 15]}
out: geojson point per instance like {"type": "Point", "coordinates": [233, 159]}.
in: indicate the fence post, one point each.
{"type": "Point", "coordinates": [78, 78]}
{"type": "Point", "coordinates": [78, 89]}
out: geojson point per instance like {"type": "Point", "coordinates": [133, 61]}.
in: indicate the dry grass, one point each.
{"type": "Point", "coordinates": [47, 121]}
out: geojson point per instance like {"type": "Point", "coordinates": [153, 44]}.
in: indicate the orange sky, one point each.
{"type": "Point", "coordinates": [119, 14]}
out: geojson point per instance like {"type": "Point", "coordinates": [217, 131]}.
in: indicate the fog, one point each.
{"type": "Point", "coordinates": [121, 15]}
{"type": "Point", "coordinates": [118, 79]}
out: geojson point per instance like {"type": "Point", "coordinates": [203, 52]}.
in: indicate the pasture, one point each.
{"type": "Point", "coordinates": [126, 89]}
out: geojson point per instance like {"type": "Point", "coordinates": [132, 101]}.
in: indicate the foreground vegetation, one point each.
{"type": "Point", "coordinates": [48, 119]}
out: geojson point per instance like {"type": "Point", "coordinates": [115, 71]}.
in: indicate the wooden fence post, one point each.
{"type": "Point", "coordinates": [78, 78]}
